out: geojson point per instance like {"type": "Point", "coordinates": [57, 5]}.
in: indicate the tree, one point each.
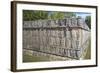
{"type": "Point", "coordinates": [29, 15]}
{"type": "Point", "coordinates": [61, 15]}
{"type": "Point", "coordinates": [69, 14]}
{"type": "Point", "coordinates": [88, 21]}
{"type": "Point", "coordinates": [56, 15]}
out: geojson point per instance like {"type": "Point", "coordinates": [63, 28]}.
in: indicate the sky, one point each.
{"type": "Point", "coordinates": [82, 14]}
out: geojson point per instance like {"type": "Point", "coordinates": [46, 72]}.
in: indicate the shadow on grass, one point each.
{"type": "Point", "coordinates": [29, 58]}
{"type": "Point", "coordinates": [88, 54]}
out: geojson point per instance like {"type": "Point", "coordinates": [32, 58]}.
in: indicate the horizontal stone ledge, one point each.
{"type": "Point", "coordinates": [69, 22]}
{"type": "Point", "coordinates": [60, 28]}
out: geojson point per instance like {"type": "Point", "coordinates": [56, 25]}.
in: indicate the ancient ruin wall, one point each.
{"type": "Point", "coordinates": [64, 37]}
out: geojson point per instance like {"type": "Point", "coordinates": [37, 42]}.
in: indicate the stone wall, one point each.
{"type": "Point", "coordinates": [63, 37]}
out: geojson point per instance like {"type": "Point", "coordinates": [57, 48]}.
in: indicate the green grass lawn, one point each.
{"type": "Point", "coordinates": [88, 54]}
{"type": "Point", "coordinates": [29, 58]}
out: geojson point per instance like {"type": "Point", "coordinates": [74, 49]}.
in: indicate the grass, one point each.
{"type": "Point", "coordinates": [88, 54]}
{"type": "Point", "coordinates": [29, 58]}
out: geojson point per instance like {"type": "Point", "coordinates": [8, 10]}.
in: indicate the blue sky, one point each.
{"type": "Point", "coordinates": [82, 14]}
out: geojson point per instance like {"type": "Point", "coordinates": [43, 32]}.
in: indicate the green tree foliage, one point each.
{"type": "Point", "coordinates": [29, 15]}
{"type": "Point", "coordinates": [88, 21]}
{"type": "Point", "coordinates": [61, 15]}
{"type": "Point", "coordinates": [56, 15]}
{"type": "Point", "coordinates": [70, 14]}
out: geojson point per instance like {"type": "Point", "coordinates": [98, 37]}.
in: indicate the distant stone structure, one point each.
{"type": "Point", "coordinates": [67, 38]}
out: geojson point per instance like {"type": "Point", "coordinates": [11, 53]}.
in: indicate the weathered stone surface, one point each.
{"type": "Point", "coordinates": [62, 37]}
{"type": "Point", "coordinates": [69, 22]}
